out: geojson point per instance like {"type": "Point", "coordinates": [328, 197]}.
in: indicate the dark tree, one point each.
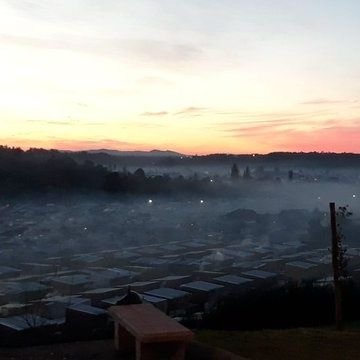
{"type": "Point", "coordinates": [247, 174]}
{"type": "Point", "coordinates": [339, 260]}
{"type": "Point", "coordinates": [290, 175]}
{"type": "Point", "coordinates": [112, 182]}
{"type": "Point", "coordinates": [235, 172]}
{"type": "Point", "coordinates": [140, 174]}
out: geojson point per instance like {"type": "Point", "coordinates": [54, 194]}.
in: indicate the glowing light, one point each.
{"type": "Point", "coordinates": [354, 196]}
{"type": "Point", "coordinates": [319, 198]}
{"type": "Point", "coordinates": [150, 201]}
{"type": "Point", "coordinates": [201, 201]}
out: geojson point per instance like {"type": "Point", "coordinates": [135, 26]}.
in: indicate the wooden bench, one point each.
{"type": "Point", "coordinates": [149, 332]}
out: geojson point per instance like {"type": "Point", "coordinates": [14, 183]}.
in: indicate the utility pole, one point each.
{"type": "Point", "coordinates": [336, 268]}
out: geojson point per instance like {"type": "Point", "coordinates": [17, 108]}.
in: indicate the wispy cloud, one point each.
{"type": "Point", "coordinates": [322, 101]}
{"type": "Point", "coordinates": [191, 110]}
{"type": "Point", "coordinates": [158, 113]}
{"type": "Point", "coordinates": [65, 122]}
{"type": "Point", "coordinates": [158, 51]}
{"type": "Point", "coordinates": [49, 122]}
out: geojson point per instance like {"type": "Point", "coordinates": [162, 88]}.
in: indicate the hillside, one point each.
{"type": "Point", "coordinates": [294, 344]}
{"type": "Point", "coordinates": [151, 153]}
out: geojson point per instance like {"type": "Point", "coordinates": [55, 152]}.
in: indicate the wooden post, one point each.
{"type": "Point", "coordinates": [336, 267]}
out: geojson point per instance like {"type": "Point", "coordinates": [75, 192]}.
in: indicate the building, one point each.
{"type": "Point", "coordinates": [204, 293]}
{"type": "Point", "coordinates": [233, 283]}
{"type": "Point", "coordinates": [71, 284]}
{"type": "Point", "coordinates": [85, 321]}
{"type": "Point", "coordinates": [178, 300]}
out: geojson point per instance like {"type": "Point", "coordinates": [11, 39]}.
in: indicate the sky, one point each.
{"type": "Point", "coordinates": [194, 76]}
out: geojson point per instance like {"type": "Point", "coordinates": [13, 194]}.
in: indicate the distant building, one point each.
{"type": "Point", "coordinates": [8, 272]}
{"type": "Point", "coordinates": [71, 284]}
{"type": "Point", "coordinates": [233, 283]}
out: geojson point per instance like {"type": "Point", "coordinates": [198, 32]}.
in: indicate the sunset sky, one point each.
{"type": "Point", "coordinates": [195, 76]}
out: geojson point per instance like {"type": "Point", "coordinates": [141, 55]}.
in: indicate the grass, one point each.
{"type": "Point", "coordinates": [294, 344]}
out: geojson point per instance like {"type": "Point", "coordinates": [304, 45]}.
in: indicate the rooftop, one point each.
{"type": "Point", "coordinates": [167, 293]}
{"type": "Point", "coordinates": [202, 286]}
{"type": "Point", "coordinates": [232, 279]}
{"type": "Point", "coordinates": [259, 274]}
{"type": "Point", "coordinates": [87, 309]}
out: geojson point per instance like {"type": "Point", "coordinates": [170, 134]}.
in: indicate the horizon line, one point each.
{"type": "Point", "coordinates": [183, 154]}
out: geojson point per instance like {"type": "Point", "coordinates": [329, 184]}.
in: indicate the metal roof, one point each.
{"type": "Point", "coordinates": [301, 264]}
{"type": "Point", "coordinates": [259, 274]}
{"type": "Point", "coordinates": [167, 293]}
{"type": "Point", "coordinates": [233, 279]}
{"type": "Point", "coordinates": [202, 286]}
{"type": "Point", "coordinates": [92, 310]}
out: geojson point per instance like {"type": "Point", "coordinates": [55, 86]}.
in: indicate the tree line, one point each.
{"type": "Point", "coordinates": [46, 170]}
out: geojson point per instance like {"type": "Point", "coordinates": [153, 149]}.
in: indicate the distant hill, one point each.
{"type": "Point", "coordinates": [152, 153]}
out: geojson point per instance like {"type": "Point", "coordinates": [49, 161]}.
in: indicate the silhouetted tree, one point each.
{"type": "Point", "coordinates": [140, 174]}
{"type": "Point", "coordinates": [247, 174]}
{"type": "Point", "coordinates": [112, 182]}
{"type": "Point", "coordinates": [234, 172]}
{"type": "Point", "coordinates": [339, 260]}
{"type": "Point", "coordinates": [290, 175]}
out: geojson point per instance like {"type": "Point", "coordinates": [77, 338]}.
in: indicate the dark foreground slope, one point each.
{"type": "Point", "coordinates": [103, 350]}
{"type": "Point", "coordinates": [294, 344]}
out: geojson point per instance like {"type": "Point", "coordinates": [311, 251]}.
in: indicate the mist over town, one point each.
{"type": "Point", "coordinates": [179, 180]}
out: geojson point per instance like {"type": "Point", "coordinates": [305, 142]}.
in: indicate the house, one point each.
{"type": "Point", "coordinates": [38, 268]}
{"type": "Point", "coordinates": [85, 321]}
{"type": "Point", "coordinates": [23, 291]}
{"type": "Point", "coordinates": [26, 328]}
{"type": "Point", "coordinates": [160, 303]}
{"type": "Point", "coordinates": [174, 248]}
{"type": "Point", "coordinates": [141, 286]}
{"type": "Point", "coordinates": [259, 274]}
{"type": "Point", "coordinates": [104, 277]}
{"type": "Point", "coordinates": [262, 277]}
{"type": "Point", "coordinates": [14, 309]}
{"type": "Point", "coordinates": [206, 275]}
{"type": "Point", "coordinates": [71, 284]}
{"type": "Point", "coordinates": [204, 293]}
{"type": "Point", "coordinates": [7, 272]}
{"type": "Point", "coordinates": [56, 306]}
{"type": "Point", "coordinates": [96, 295]}
{"type": "Point", "coordinates": [178, 300]}
{"type": "Point", "coordinates": [173, 281]}
{"type": "Point", "coordinates": [233, 283]}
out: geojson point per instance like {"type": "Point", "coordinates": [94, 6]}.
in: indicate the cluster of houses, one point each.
{"type": "Point", "coordinates": [182, 278]}
{"type": "Point", "coordinates": [70, 293]}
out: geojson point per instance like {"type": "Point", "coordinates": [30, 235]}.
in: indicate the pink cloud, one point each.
{"type": "Point", "coordinates": [287, 135]}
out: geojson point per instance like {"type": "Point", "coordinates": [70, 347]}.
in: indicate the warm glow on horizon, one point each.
{"type": "Point", "coordinates": [194, 77]}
